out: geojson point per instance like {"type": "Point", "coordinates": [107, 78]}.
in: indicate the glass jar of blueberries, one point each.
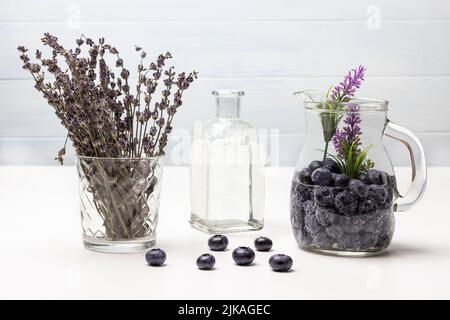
{"type": "Point", "coordinates": [344, 192]}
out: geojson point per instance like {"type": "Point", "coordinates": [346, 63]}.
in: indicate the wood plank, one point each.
{"type": "Point", "coordinates": [415, 102]}
{"type": "Point", "coordinates": [41, 151]}
{"type": "Point", "coordinates": [144, 10]}
{"type": "Point", "coordinates": [258, 49]}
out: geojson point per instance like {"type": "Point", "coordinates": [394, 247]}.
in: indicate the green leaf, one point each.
{"type": "Point", "coordinates": [362, 156]}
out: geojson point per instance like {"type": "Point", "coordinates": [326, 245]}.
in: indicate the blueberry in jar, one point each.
{"type": "Point", "coordinates": [321, 177]}
{"type": "Point", "coordinates": [363, 177]}
{"type": "Point", "coordinates": [303, 192]}
{"type": "Point", "coordinates": [304, 176]}
{"type": "Point", "coordinates": [155, 257]}
{"type": "Point", "coordinates": [263, 244]}
{"type": "Point", "coordinates": [323, 196]}
{"type": "Point", "coordinates": [374, 176]}
{"type": "Point", "coordinates": [243, 256]}
{"type": "Point", "coordinates": [383, 178]}
{"type": "Point", "coordinates": [316, 164]}
{"type": "Point", "coordinates": [346, 202]}
{"type": "Point", "coordinates": [359, 188]}
{"type": "Point", "coordinates": [340, 180]}
{"type": "Point", "coordinates": [379, 193]}
{"type": "Point", "coordinates": [331, 165]}
{"type": "Point", "coordinates": [206, 261]}
{"type": "Point", "coordinates": [218, 242]}
{"type": "Point", "coordinates": [280, 262]}
{"type": "Point", "coordinates": [368, 204]}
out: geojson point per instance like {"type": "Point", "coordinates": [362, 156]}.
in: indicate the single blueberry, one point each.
{"type": "Point", "coordinates": [218, 242]}
{"type": "Point", "coordinates": [316, 164]}
{"type": "Point", "coordinates": [379, 193]}
{"type": "Point", "coordinates": [155, 257]}
{"type": "Point", "coordinates": [374, 176]}
{"type": "Point", "coordinates": [324, 196]}
{"type": "Point", "coordinates": [359, 188]}
{"type": "Point", "coordinates": [331, 165]}
{"type": "Point", "coordinates": [206, 261]}
{"type": "Point", "coordinates": [325, 216]}
{"type": "Point", "coordinates": [263, 244]}
{"type": "Point", "coordinates": [384, 179]}
{"type": "Point", "coordinates": [321, 177]}
{"type": "Point", "coordinates": [363, 177]}
{"type": "Point", "coordinates": [346, 202]}
{"type": "Point", "coordinates": [303, 192]}
{"type": "Point", "coordinates": [387, 205]}
{"type": "Point", "coordinates": [304, 176]}
{"type": "Point", "coordinates": [243, 256]}
{"type": "Point", "coordinates": [383, 241]}
{"type": "Point", "coordinates": [280, 262]}
{"type": "Point", "coordinates": [367, 205]}
{"type": "Point", "coordinates": [340, 180]}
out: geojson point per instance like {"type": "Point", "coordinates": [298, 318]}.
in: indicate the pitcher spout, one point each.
{"type": "Point", "coordinates": [311, 95]}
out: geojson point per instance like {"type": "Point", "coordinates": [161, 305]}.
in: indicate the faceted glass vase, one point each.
{"type": "Point", "coordinates": [338, 210]}
{"type": "Point", "coordinates": [119, 202]}
{"type": "Point", "coordinates": [227, 171]}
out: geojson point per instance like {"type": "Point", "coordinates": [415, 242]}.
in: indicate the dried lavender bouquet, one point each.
{"type": "Point", "coordinates": [105, 120]}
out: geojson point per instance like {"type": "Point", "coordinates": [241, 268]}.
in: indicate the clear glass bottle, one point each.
{"type": "Point", "coordinates": [227, 171]}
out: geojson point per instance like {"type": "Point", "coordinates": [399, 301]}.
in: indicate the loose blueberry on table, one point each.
{"type": "Point", "coordinates": [280, 262]}
{"type": "Point", "coordinates": [243, 256]}
{"type": "Point", "coordinates": [263, 244]}
{"type": "Point", "coordinates": [206, 261]}
{"type": "Point", "coordinates": [218, 242]}
{"type": "Point", "coordinates": [155, 257]}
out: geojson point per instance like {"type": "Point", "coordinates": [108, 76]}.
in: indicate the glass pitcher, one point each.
{"type": "Point", "coordinates": [344, 192]}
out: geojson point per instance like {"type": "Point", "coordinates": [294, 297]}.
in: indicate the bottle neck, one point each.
{"type": "Point", "coordinates": [228, 107]}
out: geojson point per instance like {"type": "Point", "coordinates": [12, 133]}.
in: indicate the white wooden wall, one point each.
{"type": "Point", "coordinates": [268, 48]}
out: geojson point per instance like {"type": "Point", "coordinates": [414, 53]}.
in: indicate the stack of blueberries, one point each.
{"type": "Point", "coordinates": [329, 211]}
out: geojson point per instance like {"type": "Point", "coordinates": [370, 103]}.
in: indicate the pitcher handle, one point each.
{"type": "Point", "coordinates": [418, 165]}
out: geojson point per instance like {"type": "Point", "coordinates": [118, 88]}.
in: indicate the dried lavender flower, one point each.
{"type": "Point", "coordinates": [102, 116]}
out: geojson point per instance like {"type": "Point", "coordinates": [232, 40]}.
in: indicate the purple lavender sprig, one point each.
{"type": "Point", "coordinates": [347, 142]}
{"type": "Point", "coordinates": [346, 89]}
{"type": "Point", "coordinates": [350, 133]}
{"type": "Point", "coordinates": [341, 93]}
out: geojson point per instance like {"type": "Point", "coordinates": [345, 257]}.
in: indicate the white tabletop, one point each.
{"type": "Point", "coordinates": [42, 255]}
